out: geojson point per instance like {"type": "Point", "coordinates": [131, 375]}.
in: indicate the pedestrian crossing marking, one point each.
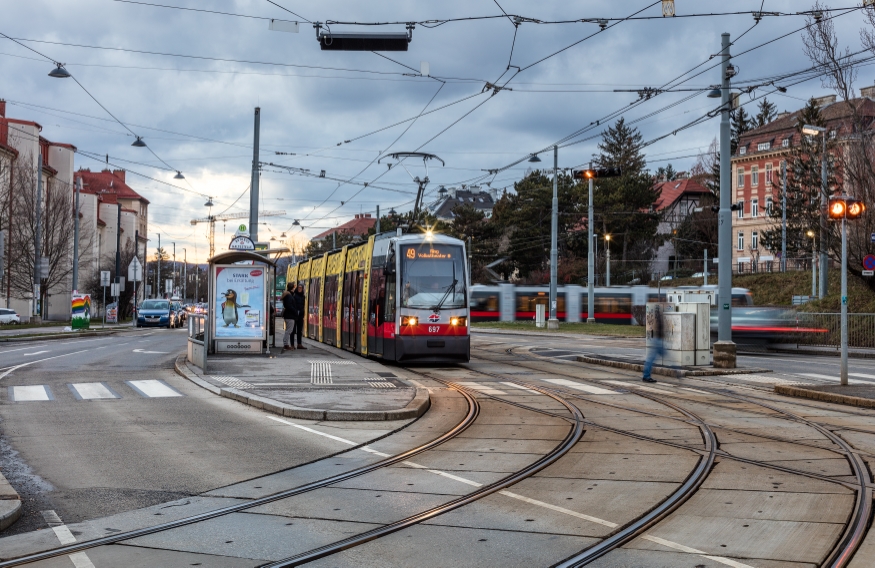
{"type": "Point", "coordinates": [834, 378]}
{"type": "Point", "coordinates": [320, 372]}
{"type": "Point", "coordinates": [380, 383]}
{"type": "Point", "coordinates": [578, 386]}
{"type": "Point", "coordinates": [153, 389]}
{"type": "Point", "coordinates": [516, 386]}
{"type": "Point", "coordinates": [30, 393]}
{"type": "Point", "coordinates": [231, 381]}
{"type": "Point", "coordinates": [485, 389]}
{"type": "Point", "coordinates": [92, 391]}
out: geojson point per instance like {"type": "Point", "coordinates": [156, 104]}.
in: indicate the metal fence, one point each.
{"type": "Point", "coordinates": [825, 330]}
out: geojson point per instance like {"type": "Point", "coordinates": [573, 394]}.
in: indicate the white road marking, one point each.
{"type": "Point", "coordinates": [153, 389]}
{"type": "Point", "coordinates": [79, 559]}
{"type": "Point", "coordinates": [417, 384]}
{"type": "Point", "coordinates": [91, 391]}
{"type": "Point", "coordinates": [236, 383]}
{"type": "Point", "coordinates": [141, 351]}
{"type": "Point", "coordinates": [485, 389]}
{"type": "Point", "coordinates": [578, 386]}
{"type": "Point", "coordinates": [30, 393]}
{"type": "Point", "coordinates": [516, 386]}
{"type": "Point", "coordinates": [34, 353]}
{"type": "Point", "coordinates": [832, 378]}
{"type": "Point", "coordinates": [10, 369]}
{"type": "Point", "coordinates": [472, 483]}
{"type": "Point", "coordinates": [861, 375]}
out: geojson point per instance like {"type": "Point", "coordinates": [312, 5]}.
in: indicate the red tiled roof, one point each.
{"type": "Point", "coordinates": [25, 122]}
{"type": "Point", "coordinates": [359, 225]}
{"type": "Point", "coordinates": [673, 190]}
{"type": "Point", "coordinates": [107, 183]}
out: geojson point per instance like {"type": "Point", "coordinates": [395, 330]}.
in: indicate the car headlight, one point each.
{"type": "Point", "coordinates": [409, 320]}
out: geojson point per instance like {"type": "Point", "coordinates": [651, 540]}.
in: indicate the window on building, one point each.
{"type": "Point", "coordinates": [740, 244]}
{"type": "Point", "coordinates": [832, 134]}
{"type": "Point", "coordinates": [740, 182]}
{"type": "Point", "coordinates": [769, 204]}
{"type": "Point", "coordinates": [754, 240]}
{"type": "Point", "coordinates": [755, 207]}
{"type": "Point", "coordinates": [740, 211]}
{"type": "Point", "coordinates": [754, 176]}
{"type": "Point", "coordinates": [742, 150]}
{"type": "Point", "coordinates": [785, 143]}
{"type": "Point", "coordinates": [763, 146]}
{"type": "Point", "coordinates": [768, 174]}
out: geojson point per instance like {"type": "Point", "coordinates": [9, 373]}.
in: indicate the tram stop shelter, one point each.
{"type": "Point", "coordinates": [239, 314]}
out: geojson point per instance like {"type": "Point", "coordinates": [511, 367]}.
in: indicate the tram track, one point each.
{"type": "Point", "coordinates": [469, 418]}
{"type": "Point", "coordinates": [851, 538]}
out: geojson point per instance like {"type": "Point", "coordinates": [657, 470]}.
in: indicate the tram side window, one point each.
{"type": "Point", "coordinates": [613, 304]}
{"type": "Point", "coordinates": [390, 300]}
{"type": "Point", "coordinates": [315, 285]}
{"type": "Point", "coordinates": [484, 303]}
{"type": "Point", "coordinates": [330, 306]}
{"type": "Point", "coordinates": [526, 303]}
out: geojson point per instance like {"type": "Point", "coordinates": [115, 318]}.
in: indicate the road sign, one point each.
{"type": "Point", "coordinates": [168, 286]}
{"type": "Point", "coordinates": [113, 290]}
{"type": "Point", "coordinates": [869, 262]}
{"type": "Point", "coordinates": [241, 242]}
{"type": "Point", "coordinates": [121, 282]}
{"type": "Point", "coordinates": [44, 267]}
{"type": "Point", "coordinates": [869, 273]}
{"type": "Point", "coordinates": [135, 270]}
{"type": "Point", "coordinates": [104, 277]}
{"type": "Point", "coordinates": [872, 237]}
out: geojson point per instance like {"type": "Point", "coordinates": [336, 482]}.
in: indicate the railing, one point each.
{"type": "Point", "coordinates": [196, 327]}
{"type": "Point", "coordinates": [826, 330]}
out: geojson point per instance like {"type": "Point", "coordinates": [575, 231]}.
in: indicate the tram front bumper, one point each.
{"type": "Point", "coordinates": [433, 349]}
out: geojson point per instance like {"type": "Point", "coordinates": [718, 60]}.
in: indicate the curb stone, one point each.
{"type": "Point", "coordinates": [10, 504]}
{"type": "Point", "coordinates": [800, 392]}
{"type": "Point", "coordinates": [414, 409]}
{"type": "Point", "coordinates": [669, 371]}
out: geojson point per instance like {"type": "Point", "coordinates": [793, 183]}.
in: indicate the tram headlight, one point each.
{"type": "Point", "coordinates": [459, 321]}
{"type": "Point", "coordinates": [409, 320]}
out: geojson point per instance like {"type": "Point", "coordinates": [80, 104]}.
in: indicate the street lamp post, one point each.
{"type": "Point", "coordinates": [184, 275]}
{"type": "Point", "coordinates": [812, 130]}
{"type": "Point", "coordinates": [843, 369]}
{"type": "Point", "coordinates": [553, 322]}
{"type": "Point", "coordinates": [811, 235]}
{"type": "Point", "coordinates": [590, 272]}
{"type": "Point", "coordinates": [608, 257]}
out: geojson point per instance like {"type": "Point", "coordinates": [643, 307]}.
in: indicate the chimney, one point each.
{"type": "Point", "coordinates": [868, 92]}
{"type": "Point", "coordinates": [120, 174]}
{"type": "Point", "coordinates": [781, 115]}
{"type": "Point", "coordinates": [824, 101]}
{"type": "Point", "coordinates": [2, 107]}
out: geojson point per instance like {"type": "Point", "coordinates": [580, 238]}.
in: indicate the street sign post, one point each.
{"type": "Point", "coordinates": [869, 273]}
{"type": "Point", "coordinates": [869, 262]}
{"type": "Point", "coordinates": [872, 237]}
{"type": "Point", "coordinates": [104, 277]}
{"type": "Point", "coordinates": [135, 271]}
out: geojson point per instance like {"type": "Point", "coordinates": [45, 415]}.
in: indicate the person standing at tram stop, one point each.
{"type": "Point", "coordinates": [300, 311]}
{"type": "Point", "coordinates": [657, 347]}
{"type": "Point", "coordinates": [289, 315]}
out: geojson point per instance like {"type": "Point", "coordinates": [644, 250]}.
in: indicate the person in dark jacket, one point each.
{"type": "Point", "coordinates": [290, 315]}
{"type": "Point", "coordinates": [300, 302]}
{"type": "Point", "coordinates": [657, 348]}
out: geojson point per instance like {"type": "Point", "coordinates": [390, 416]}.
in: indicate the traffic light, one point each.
{"type": "Point", "coordinates": [597, 173]}
{"type": "Point", "coordinates": [845, 208]}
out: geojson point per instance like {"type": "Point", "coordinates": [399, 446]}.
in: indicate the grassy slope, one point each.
{"type": "Point", "coordinates": [777, 289]}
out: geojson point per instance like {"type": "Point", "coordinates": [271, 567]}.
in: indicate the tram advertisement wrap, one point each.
{"type": "Point", "coordinates": [240, 300]}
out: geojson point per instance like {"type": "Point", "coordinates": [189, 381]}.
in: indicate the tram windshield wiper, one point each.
{"type": "Point", "coordinates": [450, 288]}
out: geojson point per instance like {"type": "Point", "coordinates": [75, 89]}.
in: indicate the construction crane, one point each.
{"type": "Point", "coordinates": [227, 217]}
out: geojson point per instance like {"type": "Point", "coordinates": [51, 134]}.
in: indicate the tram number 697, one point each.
{"type": "Point", "coordinates": [434, 328]}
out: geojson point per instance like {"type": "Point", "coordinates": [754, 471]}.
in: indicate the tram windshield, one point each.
{"type": "Point", "coordinates": [432, 276]}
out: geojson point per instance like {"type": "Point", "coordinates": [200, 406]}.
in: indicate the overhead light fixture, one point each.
{"type": "Point", "coordinates": [715, 93]}
{"type": "Point", "coordinates": [138, 143]}
{"type": "Point", "coordinates": [363, 41]}
{"type": "Point", "coordinates": [283, 236]}
{"type": "Point", "coordinates": [59, 72]}
{"type": "Point", "coordinates": [209, 202]}
{"type": "Point", "coordinates": [534, 159]}
{"type": "Point", "coordinates": [812, 130]}
{"type": "Point", "coordinates": [178, 175]}
{"type": "Point", "coordinates": [296, 223]}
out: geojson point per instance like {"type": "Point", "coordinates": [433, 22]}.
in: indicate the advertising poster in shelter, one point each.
{"type": "Point", "coordinates": [240, 300]}
{"type": "Point", "coordinates": [81, 311]}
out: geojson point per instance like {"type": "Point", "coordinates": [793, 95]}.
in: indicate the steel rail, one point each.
{"type": "Point", "coordinates": [669, 505]}
{"type": "Point", "coordinates": [573, 436]}
{"type": "Point", "coordinates": [470, 417]}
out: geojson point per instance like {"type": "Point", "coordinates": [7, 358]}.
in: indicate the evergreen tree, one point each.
{"type": "Point", "coordinates": [803, 189]}
{"type": "Point", "coordinates": [667, 173]}
{"type": "Point", "coordinates": [740, 122]}
{"type": "Point", "coordinates": [767, 112]}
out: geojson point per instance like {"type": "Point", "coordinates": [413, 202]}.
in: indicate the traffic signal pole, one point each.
{"type": "Point", "coordinates": [844, 364]}
{"type": "Point", "coordinates": [590, 261]}
{"type": "Point", "coordinates": [553, 322]}
{"type": "Point", "coordinates": [724, 349]}
{"type": "Point", "coordinates": [824, 199]}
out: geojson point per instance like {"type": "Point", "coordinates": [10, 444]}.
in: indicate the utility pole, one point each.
{"type": "Point", "coordinates": [184, 275]}
{"type": "Point", "coordinates": [76, 237]}
{"type": "Point", "coordinates": [705, 269]}
{"type": "Point", "coordinates": [118, 262]}
{"type": "Point", "coordinates": [136, 288]}
{"type": "Point", "coordinates": [553, 322]}
{"type": "Point", "coordinates": [590, 269]}
{"type": "Point", "coordinates": [253, 188]}
{"type": "Point", "coordinates": [158, 283]}
{"type": "Point", "coordinates": [377, 226]}
{"type": "Point", "coordinates": [724, 349]}
{"type": "Point", "coordinates": [37, 239]}
{"type": "Point", "coordinates": [784, 216]}
{"type": "Point", "coordinates": [843, 366]}
{"type": "Point", "coordinates": [173, 276]}
{"type": "Point", "coordinates": [824, 198]}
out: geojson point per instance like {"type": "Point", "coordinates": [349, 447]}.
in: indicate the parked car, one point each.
{"type": "Point", "coordinates": [156, 313]}
{"type": "Point", "coordinates": [180, 313]}
{"type": "Point", "coordinates": [666, 277]}
{"type": "Point", "coordinates": [9, 316]}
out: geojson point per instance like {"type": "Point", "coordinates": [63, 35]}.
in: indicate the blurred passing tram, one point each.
{"type": "Point", "coordinates": [399, 298]}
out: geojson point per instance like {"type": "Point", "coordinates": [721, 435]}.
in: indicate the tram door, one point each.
{"type": "Point", "coordinates": [376, 307]}
{"type": "Point", "coordinates": [352, 310]}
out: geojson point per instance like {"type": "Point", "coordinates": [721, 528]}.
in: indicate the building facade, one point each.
{"type": "Point", "coordinates": [677, 200]}
{"type": "Point", "coordinates": [449, 198]}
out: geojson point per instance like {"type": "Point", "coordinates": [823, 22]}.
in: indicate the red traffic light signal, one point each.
{"type": "Point", "coordinates": [597, 173]}
{"type": "Point", "coordinates": [845, 208]}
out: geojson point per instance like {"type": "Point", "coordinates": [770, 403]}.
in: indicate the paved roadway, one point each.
{"type": "Point", "coordinates": [554, 460]}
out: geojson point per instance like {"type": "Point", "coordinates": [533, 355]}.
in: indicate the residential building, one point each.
{"type": "Point", "coordinates": [448, 199]}
{"type": "Point", "coordinates": [21, 146]}
{"type": "Point", "coordinates": [756, 174]}
{"type": "Point", "coordinates": [357, 226]}
{"type": "Point", "coordinates": [677, 200]}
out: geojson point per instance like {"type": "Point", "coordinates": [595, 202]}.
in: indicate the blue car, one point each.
{"type": "Point", "coordinates": [156, 313]}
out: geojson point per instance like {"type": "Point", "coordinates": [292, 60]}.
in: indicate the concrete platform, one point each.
{"type": "Point", "coordinates": [852, 395]}
{"type": "Point", "coordinates": [319, 383]}
{"type": "Point", "coordinates": [10, 504]}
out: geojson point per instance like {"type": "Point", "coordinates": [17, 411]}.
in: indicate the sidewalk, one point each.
{"type": "Point", "coordinates": [319, 383]}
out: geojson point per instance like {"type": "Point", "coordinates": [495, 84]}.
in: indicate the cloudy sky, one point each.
{"type": "Point", "coordinates": [187, 81]}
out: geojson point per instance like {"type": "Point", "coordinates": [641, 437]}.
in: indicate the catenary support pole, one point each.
{"type": "Point", "coordinates": [173, 274]}
{"type": "Point", "coordinates": [118, 263]}
{"type": "Point", "coordinates": [377, 226]}
{"type": "Point", "coordinates": [724, 349]}
{"type": "Point", "coordinates": [158, 283]}
{"type": "Point", "coordinates": [37, 238]}
{"type": "Point", "coordinates": [784, 216]}
{"type": "Point", "coordinates": [553, 322]}
{"type": "Point", "coordinates": [184, 275]}
{"type": "Point", "coordinates": [844, 364]}
{"type": "Point", "coordinates": [590, 262]}
{"type": "Point", "coordinates": [705, 269]}
{"type": "Point", "coordinates": [253, 189]}
{"type": "Point", "coordinates": [813, 268]}
{"type": "Point", "coordinates": [824, 199]}
{"type": "Point", "coordinates": [76, 237]}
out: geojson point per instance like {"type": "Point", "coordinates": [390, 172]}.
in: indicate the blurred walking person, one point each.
{"type": "Point", "coordinates": [290, 315]}
{"type": "Point", "coordinates": [300, 311]}
{"type": "Point", "coordinates": [657, 346]}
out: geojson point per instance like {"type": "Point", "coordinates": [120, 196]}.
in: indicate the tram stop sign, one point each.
{"type": "Point", "coordinates": [869, 262]}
